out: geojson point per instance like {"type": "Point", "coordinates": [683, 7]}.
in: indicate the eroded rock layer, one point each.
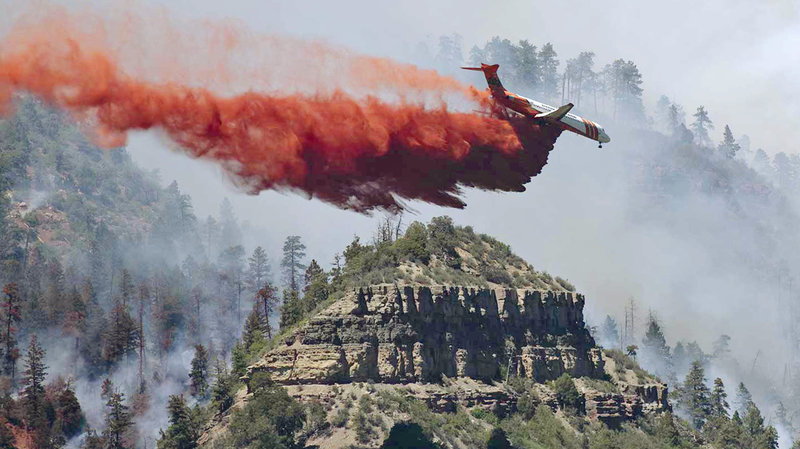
{"type": "Point", "coordinates": [391, 334]}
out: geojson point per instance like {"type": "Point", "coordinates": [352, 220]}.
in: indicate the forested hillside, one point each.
{"type": "Point", "coordinates": [118, 279]}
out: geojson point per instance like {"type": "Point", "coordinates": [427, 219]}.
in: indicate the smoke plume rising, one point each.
{"type": "Point", "coordinates": [357, 153]}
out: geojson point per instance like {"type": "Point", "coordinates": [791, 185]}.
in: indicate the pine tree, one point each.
{"type": "Point", "coordinates": [33, 380]}
{"type": "Point", "coordinates": [695, 396]}
{"type": "Point", "coordinates": [718, 399]}
{"type": "Point", "coordinates": [312, 272]}
{"type": "Point", "coordinates": [10, 315]}
{"type": "Point", "coordinates": [624, 82]}
{"type": "Point", "coordinates": [126, 288]}
{"type": "Point", "coordinates": [293, 254]}
{"type": "Point", "coordinates": [221, 392]}
{"type": "Point", "coordinates": [232, 261]}
{"type": "Point", "coordinates": [69, 412]}
{"type": "Point", "coordinates": [728, 147]}
{"type": "Point", "coordinates": [253, 334]}
{"type": "Point", "coordinates": [654, 337]}
{"type": "Point", "coordinates": [267, 296]}
{"type": "Point", "coordinates": [743, 399]}
{"type": "Point", "coordinates": [258, 269]}
{"type": "Point", "coordinates": [54, 299]}
{"type": "Point", "coordinates": [118, 422]}
{"type": "Point", "coordinates": [721, 347]}
{"type": "Point", "coordinates": [498, 440]}
{"type": "Point", "coordinates": [182, 432]}
{"type": "Point", "coordinates": [122, 335]}
{"type": "Point", "coordinates": [291, 310]}
{"type": "Point", "coordinates": [548, 59]}
{"type": "Point", "coordinates": [317, 289]}
{"type": "Point", "coordinates": [609, 332]}
{"type": "Point", "coordinates": [198, 376]}
{"type": "Point", "coordinates": [656, 350]}
{"type": "Point", "coordinates": [701, 126]}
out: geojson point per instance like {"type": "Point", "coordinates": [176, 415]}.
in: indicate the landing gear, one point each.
{"type": "Point", "coordinates": [600, 145]}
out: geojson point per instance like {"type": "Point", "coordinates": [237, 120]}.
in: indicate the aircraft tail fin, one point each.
{"type": "Point", "coordinates": [556, 114]}
{"type": "Point", "coordinates": [490, 72]}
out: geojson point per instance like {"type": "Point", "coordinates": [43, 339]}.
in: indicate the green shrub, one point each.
{"type": "Point", "coordinates": [567, 394]}
{"type": "Point", "coordinates": [495, 274]}
{"type": "Point", "coordinates": [414, 244]}
{"type": "Point", "coordinates": [341, 417]}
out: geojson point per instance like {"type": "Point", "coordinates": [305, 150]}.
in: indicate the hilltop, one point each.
{"type": "Point", "coordinates": [441, 253]}
{"type": "Point", "coordinates": [448, 330]}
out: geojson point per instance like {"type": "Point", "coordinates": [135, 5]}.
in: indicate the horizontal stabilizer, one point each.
{"type": "Point", "coordinates": [556, 114]}
{"type": "Point", "coordinates": [473, 68]}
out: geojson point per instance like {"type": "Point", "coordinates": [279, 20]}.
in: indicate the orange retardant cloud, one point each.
{"type": "Point", "coordinates": [358, 153]}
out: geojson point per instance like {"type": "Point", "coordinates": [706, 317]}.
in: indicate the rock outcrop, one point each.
{"type": "Point", "coordinates": [391, 334]}
{"type": "Point", "coordinates": [630, 403]}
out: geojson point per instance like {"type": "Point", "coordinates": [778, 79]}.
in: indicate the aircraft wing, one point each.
{"type": "Point", "coordinates": [556, 114]}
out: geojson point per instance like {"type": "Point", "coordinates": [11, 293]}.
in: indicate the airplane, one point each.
{"type": "Point", "coordinates": [541, 112]}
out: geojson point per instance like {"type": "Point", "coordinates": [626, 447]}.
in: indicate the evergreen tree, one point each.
{"type": "Point", "coordinates": [54, 299]}
{"type": "Point", "coordinates": [718, 399]}
{"type": "Point", "coordinates": [312, 272]}
{"type": "Point", "coordinates": [654, 337]}
{"type": "Point", "coordinates": [721, 347]}
{"type": "Point", "coordinates": [408, 435]}
{"type": "Point", "coordinates": [126, 288]}
{"type": "Point", "coordinates": [529, 68]}
{"type": "Point", "coordinates": [198, 376]}
{"type": "Point", "coordinates": [291, 310]}
{"type": "Point", "coordinates": [317, 289]}
{"type": "Point", "coordinates": [258, 269]}
{"type": "Point", "coordinates": [609, 332]}
{"type": "Point", "coordinates": [450, 54]}
{"type": "Point", "coordinates": [229, 233]}
{"type": "Point", "coordinates": [701, 126]}
{"type": "Point", "coordinates": [239, 359]}
{"type": "Point", "coordinates": [695, 396]}
{"type": "Point", "coordinates": [122, 336]}
{"type": "Point", "coordinates": [69, 412]}
{"type": "Point", "coordinates": [33, 385]}
{"type": "Point", "coordinates": [232, 261]}
{"type": "Point", "coordinates": [118, 422]}
{"type": "Point", "coordinates": [548, 59]}
{"type": "Point", "coordinates": [762, 164]}
{"type": "Point", "coordinates": [498, 440]}
{"type": "Point", "coordinates": [337, 274]}
{"type": "Point", "coordinates": [182, 432]}
{"type": "Point", "coordinates": [222, 395]}
{"type": "Point", "coordinates": [292, 263]}
{"type": "Point", "coordinates": [656, 351]}
{"type": "Point", "coordinates": [442, 240]}
{"type": "Point", "coordinates": [728, 147]}
{"type": "Point", "coordinates": [624, 82]}
{"type": "Point", "coordinates": [743, 399]}
{"type": "Point", "coordinates": [267, 297]}
{"type": "Point", "coordinates": [253, 334]}
{"type": "Point", "coordinates": [10, 315]}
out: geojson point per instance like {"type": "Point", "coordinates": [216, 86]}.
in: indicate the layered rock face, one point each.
{"type": "Point", "coordinates": [391, 334]}
{"type": "Point", "coordinates": [633, 401]}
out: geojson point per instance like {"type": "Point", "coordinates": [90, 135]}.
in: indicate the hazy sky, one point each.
{"type": "Point", "coordinates": [737, 57]}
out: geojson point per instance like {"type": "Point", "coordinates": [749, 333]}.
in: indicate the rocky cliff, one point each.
{"type": "Point", "coordinates": [403, 334]}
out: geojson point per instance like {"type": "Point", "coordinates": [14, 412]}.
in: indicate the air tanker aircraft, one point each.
{"type": "Point", "coordinates": [540, 111]}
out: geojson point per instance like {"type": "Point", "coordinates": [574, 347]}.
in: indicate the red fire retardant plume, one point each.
{"type": "Point", "coordinates": [358, 154]}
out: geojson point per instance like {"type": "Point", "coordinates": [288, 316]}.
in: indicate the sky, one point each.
{"type": "Point", "coordinates": [736, 57]}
